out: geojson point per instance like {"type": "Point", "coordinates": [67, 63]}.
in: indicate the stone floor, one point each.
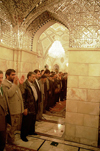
{"type": "Point", "coordinates": [51, 137]}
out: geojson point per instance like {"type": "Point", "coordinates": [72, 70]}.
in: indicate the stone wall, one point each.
{"type": "Point", "coordinates": [6, 58]}
{"type": "Point", "coordinates": [20, 60]}
{"type": "Point", "coordinates": [82, 107]}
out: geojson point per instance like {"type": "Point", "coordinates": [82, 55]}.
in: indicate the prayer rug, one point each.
{"type": "Point", "coordinates": [58, 110]}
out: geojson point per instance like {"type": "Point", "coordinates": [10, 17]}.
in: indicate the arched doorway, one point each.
{"type": "Point", "coordinates": [42, 41]}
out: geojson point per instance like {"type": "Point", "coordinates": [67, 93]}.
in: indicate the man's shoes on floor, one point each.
{"type": "Point", "coordinates": [24, 139]}
{"type": "Point", "coordinates": [35, 133]}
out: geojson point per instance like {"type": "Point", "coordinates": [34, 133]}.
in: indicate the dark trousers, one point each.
{"type": "Point", "coordinates": [28, 125]}
{"type": "Point", "coordinates": [2, 140]}
{"type": "Point", "coordinates": [57, 95]}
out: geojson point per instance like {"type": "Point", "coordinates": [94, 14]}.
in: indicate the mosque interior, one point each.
{"type": "Point", "coordinates": [28, 29]}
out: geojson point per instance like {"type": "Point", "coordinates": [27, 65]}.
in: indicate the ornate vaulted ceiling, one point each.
{"type": "Point", "coordinates": [47, 38]}
{"type": "Point", "coordinates": [21, 19]}
{"type": "Point", "coordinates": [53, 33]}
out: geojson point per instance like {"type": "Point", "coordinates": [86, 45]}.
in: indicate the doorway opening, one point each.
{"type": "Point", "coordinates": [59, 66]}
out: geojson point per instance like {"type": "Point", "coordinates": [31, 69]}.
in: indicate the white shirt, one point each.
{"type": "Point", "coordinates": [34, 91]}
{"type": "Point", "coordinates": [37, 83]}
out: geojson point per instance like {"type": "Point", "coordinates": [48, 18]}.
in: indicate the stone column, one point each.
{"type": "Point", "coordinates": [82, 107]}
{"type": "Point", "coordinates": [17, 61]}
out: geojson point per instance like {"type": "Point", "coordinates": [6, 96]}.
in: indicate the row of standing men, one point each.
{"type": "Point", "coordinates": [22, 102]}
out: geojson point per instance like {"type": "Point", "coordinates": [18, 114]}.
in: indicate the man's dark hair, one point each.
{"type": "Point", "coordinates": [29, 74]}
{"type": "Point", "coordinates": [43, 76]}
{"type": "Point", "coordinates": [1, 72]}
{"type": "Point", "coordinates": [52, 75]}
{"type": "Point", "coordinates": [47, 71]}
{"type": "Point", "coordinates": [9, 71]}
{"type": "Point", "coordinates": [42, 70]}
{"type": "Point", "coordinates": [36, 71]}
{"type": "Point", "coordinates": [52, 72]}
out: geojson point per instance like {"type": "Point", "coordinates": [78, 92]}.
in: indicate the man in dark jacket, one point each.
{"type": "Point", "coordinates": [3, 113]}
{"type": "Point", "coordinates": [43, 89]}
{"type": "Point", "coordinates": [30, 97]}
{"type": "Point", "coordinates": [64, 86]}
{"type": "Point", "coordinates": [48, 91]}
{"type": "Point", "coordinates": [37, 86]}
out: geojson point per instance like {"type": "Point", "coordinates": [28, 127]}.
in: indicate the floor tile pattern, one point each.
{"type": "Point", "coordinates": [51, 137]}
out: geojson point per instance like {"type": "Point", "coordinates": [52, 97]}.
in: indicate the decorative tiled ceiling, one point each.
{"type": "Point", "coordinates": [23, 18]}
{"type": "Point", "coordinates": [46, 40]}
{"type": "Point", "coordinates": [20, 9]}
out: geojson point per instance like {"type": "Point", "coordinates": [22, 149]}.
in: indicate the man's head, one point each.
{"type": "Point", "coordinates": [47, 72]}
{"type": "Point", "coordinates": [31, 77]}
{"type": "Point", "coordinates": [1, 77]}
{"type": "Point", "coordinates": [43, 78]}
{"type": "Point", "coordinates": [52, 77]}
{"type": "Point", "coordinates": [60, 73]}
{"type": "Point", "coordinates": [10, 74]}
{"type": "Point", "coordinates": [37, 73]}
{"type": "Point", "coordinates": [65, 76]}
{"type": "Point", "coordinates": [52, 72]}
{"type": "Point", "coordinates": [42, 72]}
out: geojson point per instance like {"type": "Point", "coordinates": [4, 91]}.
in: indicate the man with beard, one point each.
{"type": "Point", "coordinates": [11, 85]}
{"type": "Point", "coordinates": [30, 97]}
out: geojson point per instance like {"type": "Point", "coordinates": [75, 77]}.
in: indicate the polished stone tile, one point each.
{"type": "Point", "coordinates": [44, 126]}
{"type": "Point", "coordinates": [50, 128]}
{"type": "Point", "coordinates": [55, 133]}
{"type": "Point", "coordinates": [33, 143]}
{"type": "Point", "coordinates": [60, 120]}
{"type": "Point", "coordinates": [83, 149]}
{"type": "Point", "coordinates": [60, 147]}
{"type": "Point", "coordinates": [58, 130]}
{"type": "Point", "coordinates": [62, 141]}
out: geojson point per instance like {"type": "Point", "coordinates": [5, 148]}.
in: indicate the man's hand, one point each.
{"type": "Point", "coordinates": [16, 80]}
{"type": "Point", "coordinates": [25, 111]}
{"type": "Point", "coordinates": [21, 81]}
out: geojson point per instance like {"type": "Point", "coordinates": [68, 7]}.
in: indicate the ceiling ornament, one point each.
{"type": "Point", "coordinates": [56, 50]}
{"type": "Point", "coordinates": [82, 18]}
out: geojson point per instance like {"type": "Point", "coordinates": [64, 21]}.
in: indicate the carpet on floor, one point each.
{"type": "Point", "coordinates": [58, 110]}
{"type": "Point", "coordinates": [17, 148]}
